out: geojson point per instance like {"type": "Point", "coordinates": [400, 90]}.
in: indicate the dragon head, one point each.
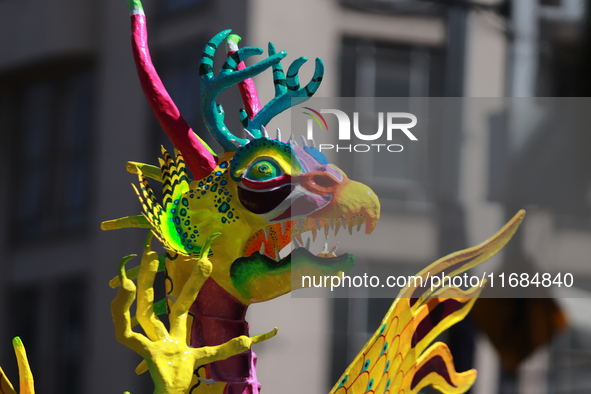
{"type": "Point", "coordinates": [262, 193]}
{"type": "Point", "coordinates": [261, 198]}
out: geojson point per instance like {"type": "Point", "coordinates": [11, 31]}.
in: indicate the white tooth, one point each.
{"type": "Point", "coordinates": [343, 222]}
{"type": "Point", "coordinates": [283, 224]}
{"type": "Point", "coordinates": [278, 134]}
{"type": "Point", "coordinates": [325, 249]}
{"type": "Point", "coordinates": [295, 242]}
{"type": "Point", "coordinates": [266, 233]}
{"type": "Point", "coordinates": [317, 223]}
{"type": "Point", "coordinates": [262, 251]}
{"type": "Point", "coordinates": [334, 250]}
{"type": "Point", "coordinates": [332, 224]}
{"type": "Point", "coordinates": [249, 135]}
{"type": "Point", "coordinates": [264, 130]}
{"type": "Point", "coordinates": [292, 141]}
{"type": "Point", "coordinates": [237, 143]}
{"type": "Point", "coordinates": [276, 254]}
{"type": "Point", "coordinates": [303, 141]}
{"type": "Point", "coordinates": [311, 143]}
{"type": "Point", "coordinates": [308, 244]}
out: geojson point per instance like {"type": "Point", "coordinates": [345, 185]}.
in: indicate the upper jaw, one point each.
{"type": "Point", "coordinates": [351, 205]}
{"type": "Point", "coordinates": [299, 204]}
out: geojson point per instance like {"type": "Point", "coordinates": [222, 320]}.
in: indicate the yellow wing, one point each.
{"type": "Point", "coordinates": [394, 360]}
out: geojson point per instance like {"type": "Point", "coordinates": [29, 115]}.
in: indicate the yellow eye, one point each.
{"type": "Point", "coordinates": [263, 170]}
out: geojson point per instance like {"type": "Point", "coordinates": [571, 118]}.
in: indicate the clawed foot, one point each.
{"type": "Point", "coordinates": [169, 359]}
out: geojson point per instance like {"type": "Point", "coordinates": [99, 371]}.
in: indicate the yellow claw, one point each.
{"type": "Point", "coordinates": [24, 370]}
{"type": "Point", "coordinates": [210, 354]}
{"type": "Point", "coordinates": [148, 242]}
{"type": "Point", "coordinates": [263, 337]}
{"type": "Point", "coordinates": [168, 358]}
{"type": "Point", "coordinates": [141, 368]}
{"type": "Point", "coordinates": [131, 274]}
{"type": "Point", "coordinates": [121, 316]}
{"type": "Point", "coordinates": [145, 315]}
{"type": "Point", "coordinates": [207, 246]}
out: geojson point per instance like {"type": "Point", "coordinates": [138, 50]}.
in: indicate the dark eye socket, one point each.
{"type": "Point", "coordinates": [260, 202]}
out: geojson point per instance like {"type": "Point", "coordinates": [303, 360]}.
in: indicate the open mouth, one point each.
{"type": "Point", "coordinates": [279, 256]}
{"type": "Point", "coordinates": [277, 240]}
{"type": "Point", "coordinates": [259, 277]}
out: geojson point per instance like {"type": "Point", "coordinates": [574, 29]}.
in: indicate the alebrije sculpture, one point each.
{"type": "Point", "coordinates": [223, 232]}
{"type": "Point", "coordinates": [249, 194]}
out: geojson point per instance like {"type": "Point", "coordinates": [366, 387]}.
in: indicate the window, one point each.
{"type": "Point", "coordinates": [377, 69]}
{"type": "Point", "coordinates": [179, 70]}
{"type": "Point", "coordinates": [49, 318]}
{"type": "Point", "coordinates": [179, 5]}
{"type": "Point", "coordinates": [50, 122]}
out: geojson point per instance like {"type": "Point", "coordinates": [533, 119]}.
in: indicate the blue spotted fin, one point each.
{"type": "Point", "coordinates": [399, 357]}
{"type": "Point", "coordinates": [166, 218]}
{"type": "Point", "coordinates": [174, 178]}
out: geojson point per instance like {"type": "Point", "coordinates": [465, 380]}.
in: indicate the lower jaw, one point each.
{"type": "Point", "coordinates": [259, 278]}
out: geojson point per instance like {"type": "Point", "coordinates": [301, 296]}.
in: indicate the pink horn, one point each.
{"type": "Point", "coordinates": [248, 91]}
{"type": "Point", "coordinates": [198, 157]}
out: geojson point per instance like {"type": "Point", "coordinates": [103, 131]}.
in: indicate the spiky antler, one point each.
{"type": "Point", "coordinates": [285, 91]}
{"type": "Point", "coordinates": [211, 87]}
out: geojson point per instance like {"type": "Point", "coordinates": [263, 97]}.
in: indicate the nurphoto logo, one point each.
{"type": "Point", "coordinates": [395, 123]}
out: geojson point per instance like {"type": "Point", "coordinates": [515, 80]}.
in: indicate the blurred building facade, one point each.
{"type": "Point", "coordinates": [72, 113]}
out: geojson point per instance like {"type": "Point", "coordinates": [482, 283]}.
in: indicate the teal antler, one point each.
{"type": "Point", "coordinates": [211, 86]}
{"type": "Point", "coordinates": [285, 91]}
